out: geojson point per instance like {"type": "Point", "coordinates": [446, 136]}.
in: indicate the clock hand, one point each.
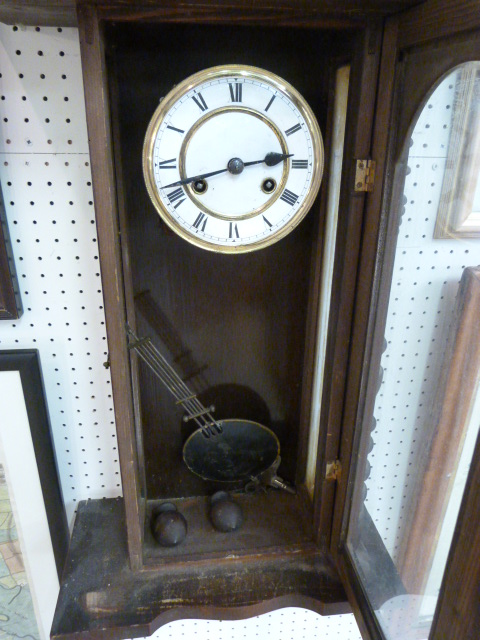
{"type": "Point", "coordinates": [235, 166]}
{"type": "Point", "coordinates": [271, 159]}
{"type": "Point", "coordinates": [202, 176]}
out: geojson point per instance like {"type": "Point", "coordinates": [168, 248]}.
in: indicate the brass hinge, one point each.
{"type": "Point", "coordinates": [364, 175]}
{"type": "Point", "coordinates": [333, 470]}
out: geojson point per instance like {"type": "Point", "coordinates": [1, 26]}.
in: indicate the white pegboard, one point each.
{"type": "Point", "coordinates": [43, 108]}
{"type": "Point", "coordinates": [284, 624]}
{"type": "Point", "coordinates": [47, 190]}
{"type": "Point", "coordinates": [46, 181]}
{"type": "Point", "coordinates": [425, 281]}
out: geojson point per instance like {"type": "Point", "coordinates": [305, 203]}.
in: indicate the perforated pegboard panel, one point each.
{"type": "Point", "coordinates": [45, 175]}
{"type": "Point", "coordinates": [46, 182]}
{"type": "Point", "coordinates": [425, 281]}
{"type": "Point", "coordinates": [285, 624]}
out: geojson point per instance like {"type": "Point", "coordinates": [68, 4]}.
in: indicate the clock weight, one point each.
{"type": "Point", "coordinates": [169, 527]}
{"type": "Point", "coordinates": [225, 514]}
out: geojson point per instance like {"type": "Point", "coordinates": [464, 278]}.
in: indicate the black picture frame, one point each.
{"type": "Point", "coordinates": [10, 303]}
{"type": "Point", "coordinates": [27, 363]}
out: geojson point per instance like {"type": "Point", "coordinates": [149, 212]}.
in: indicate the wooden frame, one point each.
{"type": "Point", "coordinates": [458, 213]}
{"type": "Point", "coordinates": [457, 608]}
{"type": "Point", "coordinates": [280, 561]}
{"type": "Point", "coordinates": [101, 156]}
{"type": "Point", "coordinates": [91, 21]}
{"type": "Point", "coordinates": [366, 348]}
{"type": "Point", "coordinates": [330, 13]}
{"type": "Point", "coordinates": [37, 505]}
{"type": "Point", "coordinates": [27, 363]}
{"type": "Point", "coordinates": [364, 74]}
{"type": "Point", "coordinates": [445, 436]}
{"type": "Point", "coordinates": [10, 307]}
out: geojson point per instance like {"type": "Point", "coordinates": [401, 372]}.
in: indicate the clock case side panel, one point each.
{"type": "Point", "coordinates": [109, 240]}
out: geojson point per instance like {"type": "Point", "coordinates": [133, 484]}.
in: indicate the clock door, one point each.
{"type": "Point", "coordinates": [406, 522]}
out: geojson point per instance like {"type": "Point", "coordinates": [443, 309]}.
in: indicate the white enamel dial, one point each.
{"type": "Point", "coordinates": [233, 158]}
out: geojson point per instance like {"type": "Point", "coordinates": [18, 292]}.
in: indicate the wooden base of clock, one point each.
{"type": "Point", "coordinates": [101, 597]}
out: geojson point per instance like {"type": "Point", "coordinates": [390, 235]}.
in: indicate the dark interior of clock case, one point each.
{"type": "Point", "coordinates": [235, 327]}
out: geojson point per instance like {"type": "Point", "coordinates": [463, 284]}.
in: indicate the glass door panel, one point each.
{"type": "Point", "coordinates": [418, 444]}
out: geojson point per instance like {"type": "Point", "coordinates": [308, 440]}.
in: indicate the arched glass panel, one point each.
{"type": "Point", "coordinates": [426, 412]}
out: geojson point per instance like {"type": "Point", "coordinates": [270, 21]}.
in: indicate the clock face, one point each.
{"type": "Point", "coordinates": [233, 158]}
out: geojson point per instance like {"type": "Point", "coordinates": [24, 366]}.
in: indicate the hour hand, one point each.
{"type": "Point", "coordinates": [271, 159]}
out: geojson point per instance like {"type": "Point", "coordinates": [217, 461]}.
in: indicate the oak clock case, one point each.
{"type": "Point", "coordinates": [241, 150]}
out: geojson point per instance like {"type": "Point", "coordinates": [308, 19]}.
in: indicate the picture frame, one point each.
{"type": "Point", "coordinates": [10, 303]}
{"type": "Point", "coordinates": [34, 533]}
{"type": "Point", "coordinates": [448, 444]}
{"type": "Point", "coordinates": [459, 209]}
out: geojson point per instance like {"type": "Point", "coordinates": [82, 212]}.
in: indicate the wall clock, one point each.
{"type": "Point", "coordinates": [252, 319]}
{"type": "Point", "coordinates": [233, 158]}
{"type": "Point", "coordinates": [237, 324]}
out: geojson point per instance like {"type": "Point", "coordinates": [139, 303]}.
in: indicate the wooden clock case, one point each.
{"type": "Point", "coordinates": [241, 329]}
{"type": "Point", "coordinates": [234, 326]}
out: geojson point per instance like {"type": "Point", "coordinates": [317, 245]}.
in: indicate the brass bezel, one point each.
{"type": "Point", "coordinates": [194, 81]}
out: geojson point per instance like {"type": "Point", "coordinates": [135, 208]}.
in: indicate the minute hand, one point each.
{"type": "Point", "coordinates": [199, 177]}
{"type": "Point", "coordinates": [271, 159]}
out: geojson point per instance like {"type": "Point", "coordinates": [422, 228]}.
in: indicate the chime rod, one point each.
{"type": "Point", "coordinates": [189, 400]}
{"type": "Point", "coordinates": [169, 377]}
{"type": "Point", "coordinates": [203, 426]}
{"type": "Point", "coordinates": [177, 387]}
